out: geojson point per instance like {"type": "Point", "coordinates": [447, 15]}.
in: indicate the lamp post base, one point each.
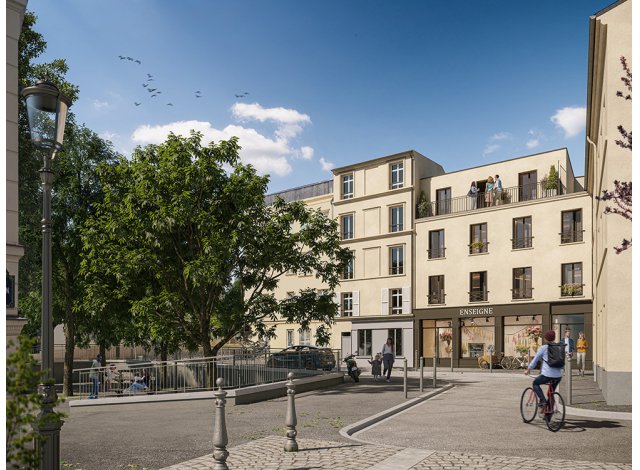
{"type": "Point", "coordinates": [48, 426]}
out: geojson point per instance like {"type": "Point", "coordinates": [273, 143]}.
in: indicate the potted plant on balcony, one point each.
{"type": "Point", "coordinates": [550, 183]}
{"type": "Point", "coordinates": [477, 247]}
{"type": "Point", "coordinates": [569, 290]}
{"type": "Point", "coordinates": [423, 205]}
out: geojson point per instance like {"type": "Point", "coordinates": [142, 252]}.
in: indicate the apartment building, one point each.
{"type": "Point", "coordinates": [605, 162]}
{"type": "Point", "coordinates": [444, 273]}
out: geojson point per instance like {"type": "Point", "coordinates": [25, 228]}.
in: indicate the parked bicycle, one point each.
{"type": "Point", "coordinates": [552, 412]}
{"type": "Point", "coordinates": [514, 362]}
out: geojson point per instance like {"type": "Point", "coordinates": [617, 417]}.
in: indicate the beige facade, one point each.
{"type": "Point", "coordinates": [15, 14]}
{"type": "Point", "coordinates": [609, 39]}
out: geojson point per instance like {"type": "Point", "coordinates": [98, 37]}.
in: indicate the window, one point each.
{"type": "Point", "coordinates": [522, 283]}
{"type": "Point", "coordinates": [476, 335]}
{"type": "Point", "coordinates": [528, 185]}
{"type": "Point", "coordinates": [571, 280]}
{"type": "Point", "coordinates": [397, 175]}
{"type": "Point", "coordinates": [478, 239]}
{"type": "Point", "coordinates": [571, 226]}
{"type": "Point", "coordinates": [346, 227]}
{"type": "Point", "coordinates": [305, 338]}
{"type": "Point", "coordinates": [437, 334]}
{"type": "Point", "coordinates": [522, 233]}
{"type": "Point", "coordinates": [396, 262]}
{"type": "Point", "coordinates": [364, 342]}
{"type": "Point", "coordinates": [396, 301]}
{"type": "Point", "coordinates": [518, 341]}
{"type": "Point", "coordinates": [436, 289]}
{"type": "Point", "coordinates": [347, 304]}
{"type": "Point", "coordinates": [436, 244]}
{"type": "Point", "coordinates": [478, 287]}
{"type": "Point", "coordinates": [289, 338]}
{"type": "Point", "coordinates": [349, 268]}
{"type": "Point", "coordinates": [396, 335]}
{"type": "Point", "coordinates": [443, 201]}
{"type": "Point", "coordinates": [347, 186]}
{"type": "Point", "coordinates": [396, 216]}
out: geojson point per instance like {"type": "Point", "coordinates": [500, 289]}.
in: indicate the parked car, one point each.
{"type": "Point", "coordinates": [303, 357]}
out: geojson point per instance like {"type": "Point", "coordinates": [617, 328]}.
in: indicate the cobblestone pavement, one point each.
{"type": "Point", "coordinates": [314, 454]}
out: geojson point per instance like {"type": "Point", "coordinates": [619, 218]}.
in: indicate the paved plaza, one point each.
{"type": "Point", "coordinates": [475, 424]}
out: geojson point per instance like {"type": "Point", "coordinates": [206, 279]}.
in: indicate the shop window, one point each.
{"type": "Point", "coordinates": [397, 175]}
{"type": "Point", "coordinates": [396, 335]}
{"type": "Point", "coordinates": [522, 233]}
{"type": "Point", "coordinates": [347, 186]}
{"type": "Point", "coordinates": [346, 227]}
{"type": "Point", "coordinates": [571, 227]}
{"type": "Point", "coordinates": [436, 289]}
{"type": "Point", "coordinates": [478, 287]}
{"type": "Point", "coordinates": [574, 322]}
{"type": "Point", "coordinates": [347, 304]}
{"type": "Point", "coordinates": [478, 242]}
{"type": "Point", "coordinates": [396, 260]}
{"type": "Point", "coordinates": [290, 337]}
{"type": "Point", "coordinates": [522, 335]}
{"type": "Point", "coordinates": [443, 201]}
{"type": "Point", "coordinates": [437, 332]}
{"type": "Point", "coordinates": [396, 301]}
{"type": "Point", "coordinates": [571, 280]}
{"type": "Point", "coordinates": [396, 216]}
{"type": "Point", "coordinates": [522, 288]}
{"type": "Point", "coordinates": [476, 335]}
{"type": "Point", "coordinates": [364, 342]}
{"type": "Point", "coordinates": [436, 244]}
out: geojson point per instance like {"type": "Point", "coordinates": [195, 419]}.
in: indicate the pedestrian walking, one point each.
{"type": "Point", "coordinates": [473, 195]}
{"type": "Point", "coordinates": [94, 376]}
{"type": "Point", "coordinates": [388, 357]}
{"type": "Point", "coordinates": [581, 347]}
{"type": "Point", "coordinates": [376, 367]}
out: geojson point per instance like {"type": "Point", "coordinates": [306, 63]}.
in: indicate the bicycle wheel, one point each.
{"type": "Point", "coordinates": [506, 362]}
{"type": "Point", "coordinates": [528, 405]}
{"type": "Point", "coordinates": [555, 417]}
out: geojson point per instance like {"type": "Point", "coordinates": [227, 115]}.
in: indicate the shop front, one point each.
{"type": "Point", "coordinates": [466, 335]}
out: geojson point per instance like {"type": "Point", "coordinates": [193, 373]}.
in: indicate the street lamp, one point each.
{"type": "Point", "coordinates": [47, 111]}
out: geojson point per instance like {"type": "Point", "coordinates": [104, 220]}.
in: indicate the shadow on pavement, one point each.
{"type": "Point", "coordinates": [585, 424]}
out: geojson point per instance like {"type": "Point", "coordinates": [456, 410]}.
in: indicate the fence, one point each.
{"type": "Point", "coordinates": [239, 369]}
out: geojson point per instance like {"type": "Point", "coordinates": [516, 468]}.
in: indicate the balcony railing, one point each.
{"type": "Point", "coordinates": [571, 236]}
{"type": "Point", "coordinates": [478, 295]}
{"type": "Point", "coordinates": [510, 195]}
{"type": "Point", "coordinates": [570, 290]}
{"type": "Point", "coordinates": [347, 235]}
{"type": "Point", "coordinates": [478, 247]}
{"type": "Point", "coordinates": [518, 294]}
{"type": "Point", "coordinates": [521, 242]}
{"type": "Point", "coordinates": [436, 253]}
{"type": "Point", "coordinates": [395, 228]}
{"type": "Point", "coordinates": [436, 298]}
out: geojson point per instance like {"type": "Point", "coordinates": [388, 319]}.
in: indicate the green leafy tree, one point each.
{"type": "Point", "coordinates": [23, 405]}
{"type": "Point", "coordinates": [193, 219]}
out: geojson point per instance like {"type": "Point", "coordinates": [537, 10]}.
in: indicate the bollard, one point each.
{"type": "Point", "coordinates": [291, 445]}
{"type": "Point", "coordinates": [435, 371]}
{"type": "Point", "coordinates": [570, 382]}
{"type": "Point", "coordinates": [490, 362]}
{"type": "Point", "coordinates": [220, 439]}
{"type": "Point", "coordinates": [421, 374]}
{"type": "Point", "coordinates": [405, 378]}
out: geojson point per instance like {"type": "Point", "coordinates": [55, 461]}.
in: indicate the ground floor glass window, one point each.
{"type": "Point", "coordinates": [364, 342]}
{"type": "Point", "coordinates": [522, 335]}
{"type": "Point", "coordinates": [476, 334]}
{"type": "Point", "coordinates": [437, 332]}
{"type": "Point", "coordinates": [396, 335]}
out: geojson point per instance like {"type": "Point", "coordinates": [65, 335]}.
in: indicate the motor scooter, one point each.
{"type": "Point", "coordinates": [352, 367]}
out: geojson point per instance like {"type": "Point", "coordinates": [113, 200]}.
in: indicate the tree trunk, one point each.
{"type": "Point", "coordinates": [103, 354]}
{"type": "Point", "coordinates": [69, 344]}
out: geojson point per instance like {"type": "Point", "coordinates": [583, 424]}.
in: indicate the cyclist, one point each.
{"type": "Point", "coordinates": [548, 374]}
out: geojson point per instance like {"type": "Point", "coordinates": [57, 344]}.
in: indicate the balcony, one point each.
{"type": "Point", "coordinates": [571, 290]}
{"type": "Point", "coordinates": [436, 298]}
{"type": "Point", "coordinates": [482, 200]}
{"type": "Point", "coordinates": [478, 247]}
{"type": "Point", "coordinates": [571, 236]}
{"type": "Point", "coordinates": [478, 296]}
{"type": "Point", "coordinates": [521, 294]}
{"type": "Point", "coordinates": [435, 253]}
{"type": "Point", "coordinates": [521, 242]}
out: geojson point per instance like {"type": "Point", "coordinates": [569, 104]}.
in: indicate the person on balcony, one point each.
{"type": "Point", "coordinates": [488, 192]}
{"type": "Point", "coordinates": [473, 195]}
{"type": "Point", "coordinates": [497, 187]}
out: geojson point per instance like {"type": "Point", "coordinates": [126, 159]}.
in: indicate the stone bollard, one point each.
{"type": "Point", "coordinates": [291, 445]}
{"type": "Point", "coordinates": [405, 378]}
{"type": "Point", "coordinates": [220, 439]}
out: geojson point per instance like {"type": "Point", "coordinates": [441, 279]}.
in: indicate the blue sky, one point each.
{"type": "Point", "coordinates": [334, 82]}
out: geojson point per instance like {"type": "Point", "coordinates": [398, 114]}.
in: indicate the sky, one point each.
{"type": "Point", "coordinates": [308, 86]}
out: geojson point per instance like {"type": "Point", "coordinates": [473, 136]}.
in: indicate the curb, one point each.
{"type": "Point", "coordinates": [348, 431]}
{"type": "Point", "coordinates": [598, 414]}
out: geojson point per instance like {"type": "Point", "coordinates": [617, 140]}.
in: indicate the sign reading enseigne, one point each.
{"type": "Point", "coordinates": [465, 312]}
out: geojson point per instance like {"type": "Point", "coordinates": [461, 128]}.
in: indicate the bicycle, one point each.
{"type": "Point", "coordinates": [552, 412]}
{"type": "Point", "coordinates": [514, 362]}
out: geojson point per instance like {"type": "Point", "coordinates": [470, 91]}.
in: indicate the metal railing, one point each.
{"type": "Point", "coordinates": [436, 298]}
{"type": "Point", "coordinates": [518, 294]}
{"type": "Point", "coordinates": [436, 253]}
{"type": "Point", "coordinates": [192, 375]}
{"type": "Point", "coordinates": [521, 242]}
{"type": "Point", "coordinates": [478, 295]}
{"type": "Point", "coordinates": [493, 198]}
{"type": "Point", "coordinates": [478, 247]}
{"type": "Point", "coordinates": [570, 290]}
{"type": "Point", "coordinates": [571, 236]}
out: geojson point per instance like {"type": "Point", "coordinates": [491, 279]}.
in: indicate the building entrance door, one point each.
{"type": "Point", "coordinates": [346, 344]}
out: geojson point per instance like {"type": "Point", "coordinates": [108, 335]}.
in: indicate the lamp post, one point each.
{"type": "Point", "coordinates": [47, 111]}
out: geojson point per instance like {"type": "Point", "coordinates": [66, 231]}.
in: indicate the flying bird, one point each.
{"type": "Point", "coordinates": [136, 103]}
{"type": "Point", "coordinates": [122, 57]}
{"type": "Point", "coordinates": [145, 85]}
{"type": "Point", "coordinates": [153, 95]}
{"type": "Point", "coordinates": [137, 62]}
{"type": "Point", "coordinates": [169, 104]}
{"type": "Point", "coordinates": [242, 95]}
{"type": "Point", "coordinates": [151, 90]}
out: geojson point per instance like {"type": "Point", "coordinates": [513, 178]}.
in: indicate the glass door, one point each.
{"type": "Point", "coordinates": [528, 185]}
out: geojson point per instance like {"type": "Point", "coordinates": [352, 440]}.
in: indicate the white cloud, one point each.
{"type": "Point", "coordinates": [489, 149]}
{"type": "Point", "coordinates": [500, 136]}
{"type": "Point", "coordinates": [100, 105]}
{"type": "Point", "coordinates": [533, 143]}
{"type": "Point", "coordinates": [254, 111]}
{"type": "Point", "coordinates": [570, 119]}
{"type": "Point", "coordinates": [106, 135]}
{"type": "Point", "coordinates": [326, 166]}
{"type": "Point", "coordinates": [306, 153]}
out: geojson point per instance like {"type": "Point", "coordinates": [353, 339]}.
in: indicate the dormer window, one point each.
{"type": "Point", "coordinates": [397, 175]}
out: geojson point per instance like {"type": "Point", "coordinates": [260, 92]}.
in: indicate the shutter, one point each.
{"type": "Point", "coordinates": [356, 303]}
{"type": "Point", "coordinates": [406, 300]}
{"type": "Point", "coordinates": [336, 300]}
{"type": "Point", "coordinates": [384, 304]}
